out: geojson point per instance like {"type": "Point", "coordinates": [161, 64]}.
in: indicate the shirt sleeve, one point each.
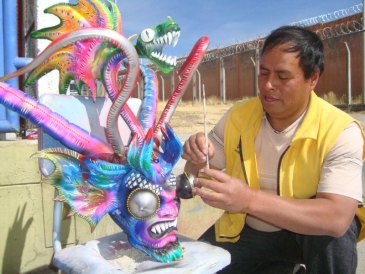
{"type": "Point", "coordinates": [342, 168]}
{"type": "Point", "coordinates": [216, 136]}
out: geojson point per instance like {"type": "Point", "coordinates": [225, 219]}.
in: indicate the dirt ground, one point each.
{"type": "Point", "coordinates": [189, 117]}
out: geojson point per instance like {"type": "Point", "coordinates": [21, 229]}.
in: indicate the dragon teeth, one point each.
{"type": "Point", "coordinates": [169, 38]}
{"type": "Point", "coordinates": [169, 60]}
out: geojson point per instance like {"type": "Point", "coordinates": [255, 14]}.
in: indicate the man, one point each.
{"type": "Point", "coordinates": [293, 168]}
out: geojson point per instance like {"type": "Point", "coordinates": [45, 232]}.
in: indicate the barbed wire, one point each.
{"type": "Point", "coordinates": [325, 18]}
{"type": "Point", "coordinates": [345, 28]}
{"type": "Point", "coordinates": [341, 29]}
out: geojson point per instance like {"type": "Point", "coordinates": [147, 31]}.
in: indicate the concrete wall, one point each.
{"type": "Point", "coordinates": [26, 213]}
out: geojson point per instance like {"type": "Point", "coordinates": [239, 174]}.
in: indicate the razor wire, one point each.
{"type": "Point", "coordinates": [341, 29]}
{"type": "Point", "coordinates": [345, 28]}
{"type": "Point", "coordinates": [217, 53]}
{"type": "Point", "coordinates": [325, 18]}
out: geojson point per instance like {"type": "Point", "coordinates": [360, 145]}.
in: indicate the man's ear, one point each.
{"type": "Point", "coordinates": [314, 79]}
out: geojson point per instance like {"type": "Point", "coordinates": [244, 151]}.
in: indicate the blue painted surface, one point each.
{"type": "Point", "coordinates": [1, 40]}
{"type": "Point", "coordinates": [9, 120]}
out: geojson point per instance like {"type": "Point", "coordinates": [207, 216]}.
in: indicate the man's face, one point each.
{"type": "Point", "coordinates": [284, 93]}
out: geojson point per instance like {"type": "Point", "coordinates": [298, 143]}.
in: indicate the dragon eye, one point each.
{"type": "Point", "coordinates": [143, 203]}
{"type": "Point", "coordinates": [147, 35]}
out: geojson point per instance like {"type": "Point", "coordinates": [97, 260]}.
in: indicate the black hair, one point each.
{"type": "Point", "coordinates": [301, 40]}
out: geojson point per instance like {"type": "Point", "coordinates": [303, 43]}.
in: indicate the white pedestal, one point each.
{"type": "Point", "coordinates": [113, 254]}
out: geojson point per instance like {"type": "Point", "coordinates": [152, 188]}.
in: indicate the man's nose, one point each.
{"type": "Point", "coordinates": [269, 83]}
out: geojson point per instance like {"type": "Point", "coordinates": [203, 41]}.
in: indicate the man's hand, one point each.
{"type": "Point", "coordinates": [328, 214]}
{"type": "Point", "coordinates": [223, 191]}
{"type": "Point", "coordinates": [195, 149]}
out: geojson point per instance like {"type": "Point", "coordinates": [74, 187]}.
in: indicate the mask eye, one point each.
{"type": "Point", "coordinates": [147, 35]}
{"type": "Point", "coordinates": [143, 203]}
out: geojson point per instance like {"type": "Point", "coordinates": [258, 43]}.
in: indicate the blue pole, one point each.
{"type": "Point", "coordinates": [1, 40]}
{"type": "Point", "coordinates": [10, 39]}
{"type": "Point", "coordinates": [9, 120]}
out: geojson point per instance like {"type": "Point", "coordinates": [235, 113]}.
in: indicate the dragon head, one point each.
{"type": "Point", "coordinates": [151, 42]}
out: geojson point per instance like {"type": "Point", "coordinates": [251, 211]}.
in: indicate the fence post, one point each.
{"type": "Point", "coordinates": [200, 84]}
{"type": "Point", "coordinates": [348, 77]}
{"type": "Point", "coordinates": [163, 88]}
{"type": "Point", "coordinates": [256, 69]}
{"type": "Point", "coordinates": [223, 80]}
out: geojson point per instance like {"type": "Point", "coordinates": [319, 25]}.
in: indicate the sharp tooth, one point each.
{"type": "Point", "coordinates": [175, 38]}
{"type": "Point", "coordinates": [164, 58]}
{"type": "Point", "coordinates": [163, 227]}
{"type": "Point", "coordinates": [165, 39]}
{"type": "Point", "coordinates": [169, 38]}
{"type": "Point", "coordinates": [169, 60]}
{"type": "Point", "coordinates": [153, 230]}
{"type": "Point", "coordinates": [158, 229]}
{"type": "Point", "coordinates": [175, 62]}
{"type": "Point", "coordinates": [160, 40]}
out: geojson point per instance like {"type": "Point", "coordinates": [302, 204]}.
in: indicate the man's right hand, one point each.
{"type": "Point", "coordinates": [195, 149]}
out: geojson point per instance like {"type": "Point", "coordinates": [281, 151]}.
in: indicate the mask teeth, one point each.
{"type": "Point", "coordinates": [136, 180]}
{"type": "Point", "coordinates": [162, 227]}
{"type": "Point", "coordinates": [172, 180]}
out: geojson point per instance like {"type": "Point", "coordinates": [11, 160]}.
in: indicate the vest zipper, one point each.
{"type": "Point", "coordinates": [279, 164]}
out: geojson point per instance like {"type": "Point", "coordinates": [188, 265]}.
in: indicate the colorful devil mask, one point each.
{"type": "Point", "coordinates": [135, 183]}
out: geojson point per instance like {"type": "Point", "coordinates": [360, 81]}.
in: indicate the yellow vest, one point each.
{"type": "Point", "coordinates": [315, 137]}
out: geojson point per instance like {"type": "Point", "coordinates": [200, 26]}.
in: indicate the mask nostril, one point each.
{"type": "Point", "coordinates": [184, 186]}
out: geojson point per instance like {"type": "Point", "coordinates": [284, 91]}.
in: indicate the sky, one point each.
{"type": "Point", "coordinates": [225, 22]}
